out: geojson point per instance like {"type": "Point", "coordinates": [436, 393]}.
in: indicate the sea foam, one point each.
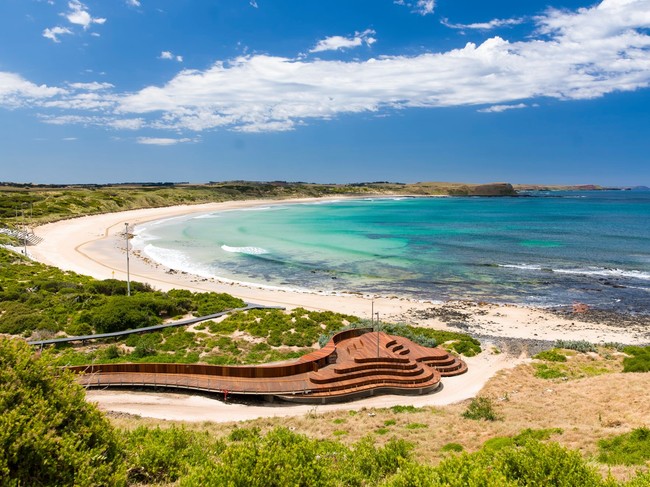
{"type": "Point", "coordinates": [245, 250]}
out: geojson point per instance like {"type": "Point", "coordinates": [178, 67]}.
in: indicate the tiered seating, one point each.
{"type": "Point", "coordinates": [354, 362]}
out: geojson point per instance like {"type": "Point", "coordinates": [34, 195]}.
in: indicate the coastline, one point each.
{"type": "Point", "coordinates": [92, 245]}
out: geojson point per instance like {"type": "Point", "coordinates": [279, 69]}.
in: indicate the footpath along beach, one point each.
{"type": "Point", "coordinates": [94, 245]}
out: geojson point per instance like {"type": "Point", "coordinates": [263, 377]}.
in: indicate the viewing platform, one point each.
{"type": "Point", "coordinates": [354, 363]}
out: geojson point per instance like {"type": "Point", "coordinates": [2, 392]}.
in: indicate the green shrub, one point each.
{"type": "Point", "coordinates": [639, 360]}
{"type": "Point", "coordinates": [416, 426]}
{"type": "Point", "coordinates": [49, 434]}
{"type": "Point", "coordinates": [120, 313]}
{"type": "Point", "coordinates": [581, 346]}
{"type": "Point", "coordinates": [481, 408]}
{"type": "Point", "coordinates": [405, 409]}
{"type": "Point", "coordinates": [165, 455]}
{"type": "Point", "coordinates": [631, 448]}
{"type": "Point", "coordinates": [211, 303]}
{"type": "Point", "coordinates": [543, 371]}
{"type": "Point", "coordinates": [551, 356]}
{"type": "Point", "coordinates": [498, 443]}
{"type": "Point", "coordinates": [533, 464]}
{"type": "Point", "coordinates": [536, 435]}
{"type": "Point", "coordinates": [242, 434]}
{"type": "Point", "coordinates": [452, 447]}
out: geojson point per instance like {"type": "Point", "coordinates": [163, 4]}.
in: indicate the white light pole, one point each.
{"type": "Point", "coordinates": [377, 313]}
{"type": "Point", "coordinates": [24, 230]}
{"type": "Point", "coordinates": [128, 276]}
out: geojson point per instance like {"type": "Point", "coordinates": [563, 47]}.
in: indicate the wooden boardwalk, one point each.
{"type": "Point", "coordinates": [354, 363]}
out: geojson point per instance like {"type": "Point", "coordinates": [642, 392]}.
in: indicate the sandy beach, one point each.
{"type": "Point", "coordinates": [94, 246]}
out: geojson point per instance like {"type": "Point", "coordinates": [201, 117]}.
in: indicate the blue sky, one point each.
{"type": "Point", "coordinates": [547, 92]}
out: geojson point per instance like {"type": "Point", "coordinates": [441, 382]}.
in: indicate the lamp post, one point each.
{"type": "Point", "coordinates": [24, 229]}
{"type": "Point", "coordinates": [377, 313]}
{"type": "Point", "coordinates": [128, 276]}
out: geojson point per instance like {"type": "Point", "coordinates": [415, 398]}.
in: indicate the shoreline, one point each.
{"type": "Point", "coordinates": [90, 245]}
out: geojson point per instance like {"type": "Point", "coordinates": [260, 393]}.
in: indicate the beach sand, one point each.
{"type": "Point", "coordinates": [94, 245]}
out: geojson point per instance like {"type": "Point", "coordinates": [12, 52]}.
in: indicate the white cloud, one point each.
{"type": "Point", "coordinates": [55, 32]}
{"type": "Point", "coordinates": [571, 55]}
{"type": "Point", "coordinates": [253, 4]}
{"type": "Point", "coordinates": [421, 7]}
{"type": "Point", "coordinates": [425, 7]}
{"type": "Point", "coordinates": [79, 15]}
{"type": "Point", "coordinates": [94, 86]}
{"type": "Point", "coordinates": [335, 43]}
{"type": "Point", "coordinates": [133, 3]}
{"type": "Point", "coordinates": [69, 139]}
{"type": "Point", "coordinates": [126, 124]}
{"type": "Point", "coordinates": [170, 55]}
{"type": "Point", "coordinates": [502, 108]}
{"type": "Point", "coordinates": [16, 91]}
{"type": "Point", "coordinates": [492, 24]}
{"type": "Point", "coordinates": [162, 141]}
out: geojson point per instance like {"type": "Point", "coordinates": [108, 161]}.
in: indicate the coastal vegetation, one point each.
{"type": "Point", "coordinates": [51, 436]}
{"type": "Point", "coordinates": [41, 300]}
{"type": "Point", "coordinates": [28, 204]}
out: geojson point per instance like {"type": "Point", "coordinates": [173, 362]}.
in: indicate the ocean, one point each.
{"type": "Point", "coordinates": [542, 248]}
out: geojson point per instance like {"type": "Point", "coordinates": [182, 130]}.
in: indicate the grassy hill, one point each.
{"type": "Point", "coordinates": [36, 204]}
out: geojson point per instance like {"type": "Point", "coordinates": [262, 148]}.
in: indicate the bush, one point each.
{"type": "Point", "coordinates": [551, 356]}
{"type": "Point", "coordinates": [631, 448]}
{"type": "Point", "coordinates": [452, 447]}
{"type": "Point", "coordinates": [120, 313]}
{"type": "Point", "coordinates": [481, 408]}
{"type": "Point", "coordinates": [581, 346]}
{"type": "Point", "coordinates": [639, 360]}
{"type": "Point", "coordinates": [533, 464]}
{"type": "Point", "coordinates": [543, 371]}
{"type": "Point", "coordinates": [165, 455]}
{"type": "Point", "coordinates": [405, 409]}
{"type": "Point", "coordinates": [211, 303]}
{"type": "Point", "coordinates": [49, 434]}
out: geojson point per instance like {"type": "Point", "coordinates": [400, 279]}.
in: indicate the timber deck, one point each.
{"type": "Point", "coordinates": [354, 363]}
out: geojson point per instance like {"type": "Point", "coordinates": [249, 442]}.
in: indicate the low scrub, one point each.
{"type": "Point", "coordinates": [631, 448]}
{"type": "Point", "coordinates": [553, 355]}
{"type": "Point", "coordinates": [49, 434]}
{"type": "Point", "coordinates": [582, 346]}
{"type": "Point", "coordinates": [638, 360]}
{"type": "Point", "coordinates": [481, 408]}
{"type": "Point", "coordinates": [458, 342]}
{"type": "Point", "coordinates": [38, 298]}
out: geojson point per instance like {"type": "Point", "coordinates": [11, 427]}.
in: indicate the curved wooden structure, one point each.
{"type": "Point", "coordinates": [354, 363]}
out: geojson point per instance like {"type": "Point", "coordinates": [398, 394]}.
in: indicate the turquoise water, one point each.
{"type": "Point", "coordinates": [545, 249]}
